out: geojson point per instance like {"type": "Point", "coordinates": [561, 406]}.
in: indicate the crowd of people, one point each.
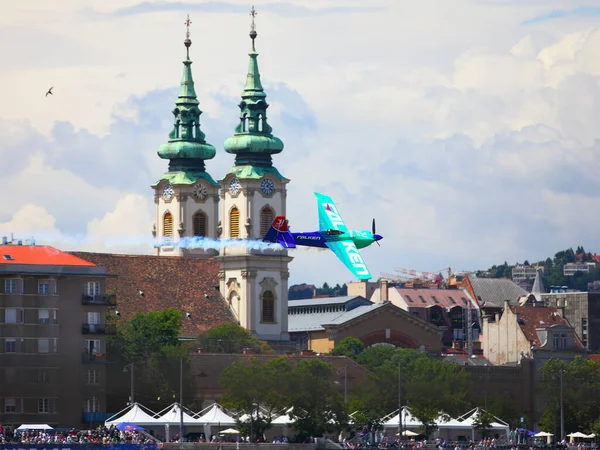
{"type": "Point", "coordinates": [100, 435]}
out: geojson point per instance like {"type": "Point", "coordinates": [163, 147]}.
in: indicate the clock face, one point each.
{"type": "Point", "coordinates": [234, 186]}
{"type": "Point", "coordinates": [267, 186]}
{"type": "Point", "coordinates": [168, 192]}
{"type": "Point", "coordinates": [200, 191]}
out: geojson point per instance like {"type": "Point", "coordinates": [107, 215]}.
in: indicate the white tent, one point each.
{"type": "Point", "coordinates": [284, 419]}
{"type": "Point", "coordinates": [172, 416]}
{"type": "Point", "coordinates": [455, 424]}
{"type": "Point", "coordinates": [470, 417]}
{"type": "Point", "coordinates": [134, 415]}
{"type": "Point", "coordinates": [216, 416]}
{"type": "Point", "coordinates": [408, 421]}
{"type": "Point", "coordinates": [35, 426]}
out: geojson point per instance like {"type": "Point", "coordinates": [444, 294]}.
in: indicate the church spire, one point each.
{"type": "Point", "coordinates": [186, 149]}
{"type": "Point", "coordinates": [253, 142]}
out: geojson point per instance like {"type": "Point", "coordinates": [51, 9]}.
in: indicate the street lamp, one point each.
{"type": "Point", "coordinates": [562, 410]}
{"type": "Point", "coordinates": [126, 369]}
{"type": "Point", "coordinates": [189, 316]}
{"type": "Point", "coordinates": [340, 371]}
{"type": "Point", "coordinates": [399, 402]}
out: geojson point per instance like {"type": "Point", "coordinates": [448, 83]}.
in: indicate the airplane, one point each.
{"type": "Point", "coordinates": [332, 233]}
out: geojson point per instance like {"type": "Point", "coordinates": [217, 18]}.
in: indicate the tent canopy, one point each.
{"type": "Point", "coordinates": [408, 420]}
{"type": "Point", "coordinates": [577, 434]}
{"type": "Point", "coordinates": [216, 416]}
{"type": "Point", "coordinates": [172, 416]}
{"type": "Point", "coordinates": [35, 426]}
{"type": "Point", "coordinates": [230, 431]}
{"type": "Point", "coordinates": [543, 434]}
{"type": "Point", "coordinates": [135, 415]}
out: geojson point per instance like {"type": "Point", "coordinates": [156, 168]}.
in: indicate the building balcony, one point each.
{"type": "Point", "coordinates": [92, 328]}
{"type": "Point", "coordinates": [97, 299]}
{"type": "Point", "coordinates": [93, 358]}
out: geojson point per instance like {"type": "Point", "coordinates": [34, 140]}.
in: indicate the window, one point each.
{"type": "Point", "coordinates": [43, 316]}
{"type": "Point", "coordinates": [10, 405]}
{"type": "Point", "coordinates": [559, 341]}
{"type": "Point", "coordinates": [452, 300]}
{"type": "Point", "coordinates": [199, 224]}
{"type": "Point", "coordinates": [268, 307]}
{"type": "Point", "coordinates": [10, 346]}
{"type": "Point", "coordinates": [91, 288]}
{"type": "Point", "coordinates": [435, 300]}
{"type": "Point", "coordinates": [43, 345]}
{"type": "Point", "coordinates": [422, 299]}
{"type": "Point", "coordinates": [408, 298]}
{"type": "Point", "coordinates": [46, 287]}
{"type": "Point", "coordinates": [91, 405]}
{"type": "Point", "coordinates": [11, 286]}
{"type": "Point", "coordinates": [44, 405]}
{"type": "Point", "coordinates": [92, 346]}
{"type": "Point", "coordinates": [168, 227]}
{"type": "Point", "coordinates": [8, 257]}
{"type": "Point", "coordinates": [234, 223]}
{"type": "Point", "coordinates": [266, 219]}
{"type": "Point", "coordinates": [93, 318]}
{"type": "Point", "coordinates": [10, 375]}
{"type": "Point", "coordinates": [93, 377]}
{"type": "Point", "coordinates": [13, 315]}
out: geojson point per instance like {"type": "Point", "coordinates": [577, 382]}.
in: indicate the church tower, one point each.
{"type": "Point", "coordinates": [186, 196]}
{"type": "Point", "coordinates": [254, 282]}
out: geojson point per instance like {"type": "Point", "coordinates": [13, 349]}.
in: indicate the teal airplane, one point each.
{"type": "Point", "coordinates": [332, 233]}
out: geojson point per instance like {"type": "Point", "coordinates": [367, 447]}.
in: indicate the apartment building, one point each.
{"type": "Point", "coordinates": [571, 269]}
{"type": "Point", "coordinates": [52, 337]}
{"type": "Point", "coordinates": [524, 273]}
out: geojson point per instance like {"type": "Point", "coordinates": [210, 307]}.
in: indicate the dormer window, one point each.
{"type": "Point", "coordinates": [8, 257]}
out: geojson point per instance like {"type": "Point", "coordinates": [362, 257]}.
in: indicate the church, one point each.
{"type": "Point", "coordinates": [232, 283]}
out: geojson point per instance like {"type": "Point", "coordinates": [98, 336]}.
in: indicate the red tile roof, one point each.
{"type": "Point", "coordinates": [534, 317]}
{"type": "Point", "coordinates": [166, 282]}
{"type": "Point", "coordinates": [42, 255]}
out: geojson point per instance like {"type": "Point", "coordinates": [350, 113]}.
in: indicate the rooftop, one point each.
{"type": "Point", "coordinates": [39, 255]}
{"type": "Point", "coordinates": [145, 283]}
{"type": "Point", "coordinates": [493, 291]}
{"type": "Point", "coordinates": [444, 298]}
{"type": "Point", "coordinates": [531, 318]}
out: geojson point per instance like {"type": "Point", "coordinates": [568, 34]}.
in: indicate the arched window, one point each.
{"type": "Point", "coordinates": [266, 219]}
{"type": "Point", "coordinates": [268, 307]}
{"type": "Point", "coordinates": [168, 227]}
{"type": "Point", "coordinates": [246, 121]}
{"type": "Point", "coordinates": [199, 224]}
{"type": "Point", "coordinates": [234, 223]}
{"type": "Point", "coordinates": [260, 122]}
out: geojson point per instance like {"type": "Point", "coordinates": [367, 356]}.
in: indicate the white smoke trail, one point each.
{"type": "Point", "coordinates": [207, 243]}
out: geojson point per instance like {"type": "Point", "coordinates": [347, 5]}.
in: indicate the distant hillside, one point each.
{"type": "Point", "coordinates": [553, 270]}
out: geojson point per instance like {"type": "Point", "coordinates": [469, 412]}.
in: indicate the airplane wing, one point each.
{"type": "Point", "coordinates": [347, 252]}
{"type": "Point", "coordinates": [329, 216]}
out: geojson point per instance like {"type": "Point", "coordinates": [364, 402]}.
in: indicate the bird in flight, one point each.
{"type": "Point", "coordinates": [50, 91]}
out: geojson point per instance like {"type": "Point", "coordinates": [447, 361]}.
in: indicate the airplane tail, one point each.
{"type": "Point", "coordinates": [280, 234]}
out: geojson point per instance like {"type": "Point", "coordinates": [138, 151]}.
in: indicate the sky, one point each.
{"type": "Point", "coordinates": [468, 128]}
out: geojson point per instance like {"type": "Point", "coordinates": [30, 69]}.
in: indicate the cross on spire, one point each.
{"type": "Point", "coordinates": [253, 33]}
{"type": "Point", "coordinates": [187, 41]}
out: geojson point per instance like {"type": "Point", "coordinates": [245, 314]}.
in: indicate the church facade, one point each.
{"type": "Point", "coordinates": [197, 216]}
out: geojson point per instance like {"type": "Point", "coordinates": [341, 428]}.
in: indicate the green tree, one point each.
{"type": "Point", "coordinates": [230, 337]}
{"type": "Point", "coordinates": [482, 421]}
{"type": "Point", "coordinates": [349, 346]}
{"type": "Point", "coordinates": [581, 394]}
{"type": "Point", "coordinates": [259, 390]}
{"type": "Point", "coordinates": [151, 343]}
{"type": "Point", "coordinates": [316, 404]}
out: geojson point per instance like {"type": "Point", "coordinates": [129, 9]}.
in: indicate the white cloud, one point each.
{"type": "Point", "coordinates": [471, 138]}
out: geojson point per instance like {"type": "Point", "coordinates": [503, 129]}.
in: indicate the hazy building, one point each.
{"type": "Point", "coordinates": [524, 273]}
{"type": "Point", "coordinates": [52, 329]}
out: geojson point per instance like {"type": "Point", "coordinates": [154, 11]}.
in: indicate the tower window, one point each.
{"type": "Point", "coordinates": [268, 307]}
{"type": "Point", "coordinates": [260, 123]}
{"type": "Point", "coordinates": [234, 223]}
{"type": "Point", "coordinates": [199, 222]}
{"type": "Point", "coordinates": [168, 227]}
{"type": "Point", "coordinates": [266, 219]}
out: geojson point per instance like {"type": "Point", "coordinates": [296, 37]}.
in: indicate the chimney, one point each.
{"type": "Point", "coordinates": [383, 291]}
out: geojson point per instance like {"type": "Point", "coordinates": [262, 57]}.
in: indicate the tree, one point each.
{"type": "Point", "coordinates": [258, 390]}
{"type": "Point", "coordinates": [482, 421]}
{"type": "Point", "coordinates": [230, 337]}
{"type": "Point", "coordinates": [349, 346]}
{"type": "Point", "coordinates": [316, 404]}
{"type": "Point", "coordinates": [151, 343]}
{"type": "Point", "coordinates": [581, 394]}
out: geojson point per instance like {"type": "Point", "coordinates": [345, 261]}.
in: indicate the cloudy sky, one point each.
{"type": "Point", "coordinates": [467, 128]}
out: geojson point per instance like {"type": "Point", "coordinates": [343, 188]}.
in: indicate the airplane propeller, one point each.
{"type": "Point", "coordinates": [373, 230]}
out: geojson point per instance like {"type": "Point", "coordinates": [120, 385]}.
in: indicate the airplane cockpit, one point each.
{"type": "Point", "coordinates": [334, 232]}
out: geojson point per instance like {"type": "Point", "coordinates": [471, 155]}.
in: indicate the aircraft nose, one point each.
{"type": "Point", "coordinates": [377, 237]}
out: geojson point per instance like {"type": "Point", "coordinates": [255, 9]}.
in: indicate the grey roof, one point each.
{"type": "Point", "coordinates": [354, 313]}
{"type": "Point", "coordinates": [493, 291]}
{"type": "Point", "coordinates": [462, 361]}
{"type": "Point", "coordinates": [311, 322]}
{"type": "Point", "coordinates": [322, 301]}
{"type": "Point", "coordinates": [538, 286]}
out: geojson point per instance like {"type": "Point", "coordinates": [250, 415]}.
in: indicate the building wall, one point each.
{"type": "Point", "coordinates": [319, 342]}
{"type": "Point", "coordinates": [30, 376]}
{"type": "Point", "coordinates": [365, 289]}
{"type": "Point", "coordinates": [503, 340]}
